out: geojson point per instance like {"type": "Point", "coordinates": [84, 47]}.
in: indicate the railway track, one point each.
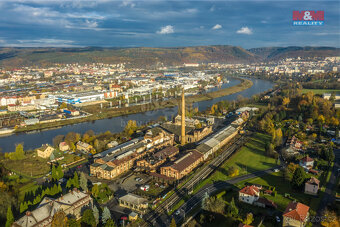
{"type": "Point", "coordinates": [202, 174]}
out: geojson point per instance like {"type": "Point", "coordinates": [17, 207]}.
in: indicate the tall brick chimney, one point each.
{"type": "Point", "coordinates": [183, 119]}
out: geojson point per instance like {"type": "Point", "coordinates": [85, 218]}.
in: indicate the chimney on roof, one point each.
{"type": "Point", "coordinates": [28, 213]}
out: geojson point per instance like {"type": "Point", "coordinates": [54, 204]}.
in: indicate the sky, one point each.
{"type": "Point", "coordinates": [158, 23]}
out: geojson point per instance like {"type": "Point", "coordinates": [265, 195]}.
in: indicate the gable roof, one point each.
{"type": "Point", "coordinates": [296, 211]}
{"type": "Point", "coordinates": [307, 159]}
{"type": "Point", "coordinates": [250, 190]}
{"type": "Point", "coordinates": [313, 180]}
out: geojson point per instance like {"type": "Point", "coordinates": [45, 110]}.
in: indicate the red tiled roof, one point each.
{"type": "Point", "coordinates": [307, 159]}
{"type": "Point", "coordinates": [296, 211]}
{"type": "Point", "coordinates": [250, 190]}
{"type": "Point", "coordinates": [313, 180]}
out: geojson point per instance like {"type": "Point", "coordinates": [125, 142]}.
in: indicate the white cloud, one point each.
{"type": "Point", "coordinates": [212, 9]}
{"type": "Point", "coordinates": [128, 3]}
{"type": "Point", "coordinates": [216, 27]}
{"type": "Point", "coordinates": [245, 30]}
{"type": "Point", "coordinates": [166, 30]}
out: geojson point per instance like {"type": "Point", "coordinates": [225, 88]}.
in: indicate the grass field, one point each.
{"type": "Point", "coordinates": [320, 91]}
{"type": "Point", "coordinates": [250, 158]}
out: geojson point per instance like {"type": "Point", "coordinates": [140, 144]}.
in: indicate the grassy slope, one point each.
{"type": "Point", "coordinates": [320, 91]}
{"type": "Point", "coordinates": [250, 158]}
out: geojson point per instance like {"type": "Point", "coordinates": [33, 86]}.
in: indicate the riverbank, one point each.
{"type": "Point", "coordinates": [115, 112]}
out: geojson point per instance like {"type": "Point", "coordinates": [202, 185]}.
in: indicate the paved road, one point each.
{"type": "Point", "coordinates": [212, 188]}
{"type": "Point", "coordinates": [328, 198]}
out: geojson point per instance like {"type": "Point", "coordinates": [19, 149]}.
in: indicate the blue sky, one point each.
{"type": "Point", "coordinates": [157, 23]}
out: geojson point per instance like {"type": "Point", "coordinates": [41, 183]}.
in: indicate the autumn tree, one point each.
{"type": "Point", "coordinates": [249, 219]}
{"type": "Point", "coordinates": [59, 219]}
{"type": "Point", "coordinates": [285, 101]}
{"type": "Point", "coordinates": [173, 223]}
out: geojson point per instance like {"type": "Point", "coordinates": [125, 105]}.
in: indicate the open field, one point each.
{"type": "Point", "coordinates": [320, 91]}
{"type": "Point", "coordinates": [250, 158]}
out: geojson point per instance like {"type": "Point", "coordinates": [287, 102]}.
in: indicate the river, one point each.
{"type": "Point", "coordinates": [32, 140]}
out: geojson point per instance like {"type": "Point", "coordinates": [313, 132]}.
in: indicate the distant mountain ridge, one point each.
{"type": "Point", "coordinates": [277, 53]}
{"type": "Point", "coordinates": [148, 56]}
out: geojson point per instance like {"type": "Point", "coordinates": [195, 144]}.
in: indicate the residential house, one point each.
{"type": "Point", "coordinates": [63, 146]}
{"type": "Point", "coordinates": [249, 194]}
{"type": "Point", "coordinates": [72, 204]}
{"type": "Point", "coordinates": [306, 162]}
{"type": "Point", "coordinates": [183, 166]}
{"type": "Point", "coordinates": [296, 214]}
{"type": "Point", "coordinates": [82, 146]}
{"type": "Point", "coordinates": [133, 202]}
{"type": "Point", "coordinates": [312, 186]}
{"type": "Point", "coordinates": [45, 151]}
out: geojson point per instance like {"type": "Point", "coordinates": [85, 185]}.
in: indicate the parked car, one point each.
{"type": "Point", "coordinates": [137, 179]}
{"type": "Point", "coordinates": [277, 219]}
{"type": "Point", "coordinates": [276, 170]}
{"type": "Point", "coordinates": [177, 212]}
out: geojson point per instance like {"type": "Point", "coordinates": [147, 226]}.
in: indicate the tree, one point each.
{"type": "Point", "coordinates": [60, 173]}
{"type": "Point", "coordinates": [9, 217]}
{"type": "Point", "coordinates": [298, 178]}
{"type": "Point", "coordinates": [106, 215]}
{"type": "Point", "coordinates": [232, 209]}
{"type": "Point", "coordinates": [95, 190]}
{"type": "Point", "coordinates": [54, 173]}
{"type": "Point", "coordinates": [88, 218]}
{"type": "Point", "coordinates": [285, 101]}
{"type": "Point", "coordinates": [57, 140]}
{"type": "Point", "coordinates": [76, 180]}
{"type": "Point", "coordinates": [19, 153]}
{"type": "Point", "coordinates": [130, 127]}
{"type": "Point", "coordinates": [96, 214]}
{"type": "Point", "coordinates": [215, 205]}
{"type": "Point", "coordinates": [233, 171]}
{"type": "Point", "coordinates": [278, 137]}
{"type": "Point", "coordinates": [83, 182]}
{"type": "Point", "coordinates": [173, 223]}
{"type": "Point", "coordinates": [63, 106]}
{"type": "Point", "coordinates": [59, 219]}
{"type": "Point", "coordinates": [249, 219]}
{"type": "Point", "coordinates": [72, 222]}
{"type": "Point", "coordinates": [110, 223]}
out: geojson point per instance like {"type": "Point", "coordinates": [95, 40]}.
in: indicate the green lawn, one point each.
{"type": "Point", "coordinates": [250, 158]}
{"type": "Point", "coordinates": [282, 187]}
{"type": "Point", "coordinates": [320, 91]}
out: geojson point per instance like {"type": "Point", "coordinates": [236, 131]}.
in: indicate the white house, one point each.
{"type": "Point", "coordinates": [249, 194]}
{"type": "Point", "coordinates": [307, 162]}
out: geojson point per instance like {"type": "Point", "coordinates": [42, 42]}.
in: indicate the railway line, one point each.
{"type": "Point", "coordinates": [154, 216]}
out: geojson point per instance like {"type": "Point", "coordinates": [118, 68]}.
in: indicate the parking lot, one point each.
{"type": "Point", "coordinates": [129, 183]}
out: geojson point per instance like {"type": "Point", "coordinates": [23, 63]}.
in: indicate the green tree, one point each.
{"type": "Point", "coordinates": [10, 217]}
{"type": "Point", "coordinates": [173, 223]}
{"type": "Point", "coordinates": [232, 209]}
{"type": "Point", "coordinates": [96, 214]}
{"type": "Point", "coordinates": [71, 222]}
{"type": "Point", "coordinates": [298, 178]}
{"type": "Point", "coordinates": [23, 207]}
{"type": "Point", "coordinates": [88, 218]}
{"type": "Point", "coordinates": [54, 173]}
{"type": "Point", "coordinates": [95, 190]}
{"type": "Point", "coordinates": [110, 223]}
{"type": "Point", "coordinates": [76, 180]}
{"type": "Point", "coordinates": [106, 215]}
{"type": "Point", "coordinates": [83, 182]}
{"type": "Point", "coordinates": [59, 172]}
